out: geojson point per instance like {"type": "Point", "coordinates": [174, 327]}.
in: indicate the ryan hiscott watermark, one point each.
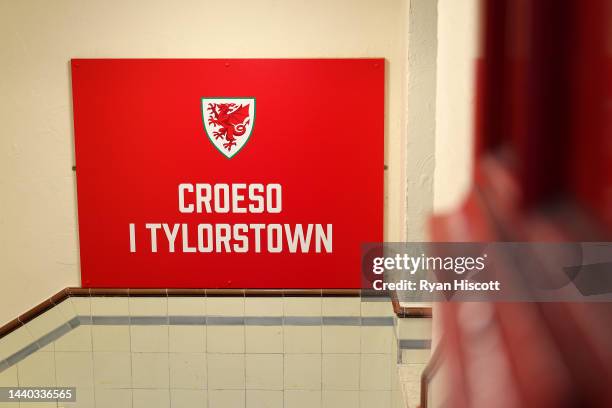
{"type": "Point", "coordinates": [491, 271]}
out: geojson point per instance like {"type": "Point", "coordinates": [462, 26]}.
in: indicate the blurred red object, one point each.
{"type": "Point", "coordinates": [543, 172]}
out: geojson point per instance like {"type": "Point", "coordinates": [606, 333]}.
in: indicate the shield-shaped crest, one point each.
{"type": "Point", "coordinates": [228, 122]}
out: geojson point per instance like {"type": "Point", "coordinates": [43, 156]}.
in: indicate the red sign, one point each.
{"type": "Point", "coordinates": [228, 173]}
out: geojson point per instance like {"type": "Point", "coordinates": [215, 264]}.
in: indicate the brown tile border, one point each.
{"type": "Point", "coordinates": [413, 312]}
{"type": "Point", "coordinates": [9, 327]}
{"type": "Point", "coordinates": [185, 292]}
{"type": "Point", "coordinates": [225, 292]}
{"type": "Point", "coordinates": [36, 311]}
{"type": "Point", "coordinates": [408, 311]}
{"type": "Point", "coordinates": [108, 292]}
{"type": "Point", "coordinates": [147, 292]}
{"type": "Point", "coordinates": [264, 292]}
{"type": "Point", "coordinates": [78, 292]}
{"type": "Point", "coordinates": [430, 370]}
{"type": "Point", "coordinates": [302, 293]}
{"type": "Point", "coordinates": [342, 292]}
{"type": "Point", "coordinates": [61, 296]}
{"type": "Point", "coordinates": [64, 294]}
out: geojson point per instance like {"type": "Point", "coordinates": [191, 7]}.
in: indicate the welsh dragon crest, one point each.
{"type": "Point", "coordinates": [228, 122]}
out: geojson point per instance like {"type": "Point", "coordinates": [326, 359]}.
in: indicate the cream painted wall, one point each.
{"type": "Point", "coordinates": [420, 116]}
{"type": "Point", "coordinates": [457, 51]}
{"type": "Point", "coordinates": [38, 238]}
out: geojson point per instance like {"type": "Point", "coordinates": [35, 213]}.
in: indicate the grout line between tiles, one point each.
{"type": "Point", "coordinates": [283, 345]}
{"type": "Point", "coordinates": [168, 342]}
{"type": "Point", "coordinates": [131, 354]}
{"type": "Point", "coordinates": [206, 354]}
{"type": "Point", "coordinates": [360, 359]}
{"type": "Point", "coordinates": [55, 371]}
{"type": "Point", "coordinates": [321, 352]}
{"type": "Point", "coordinates": [93, 360]}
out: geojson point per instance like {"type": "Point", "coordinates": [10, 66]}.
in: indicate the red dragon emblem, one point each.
{"type": "Point", "coordinates": [230, 120]}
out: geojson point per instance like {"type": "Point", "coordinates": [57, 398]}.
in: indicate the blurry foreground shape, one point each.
{"type": "Point", "coordinates": [543, 172]}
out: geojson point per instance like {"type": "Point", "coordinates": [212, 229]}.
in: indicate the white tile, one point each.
{"type": "Point", "coordinates": [264, 306]}
{"type": "Point", "coordinates": [302, 306]}
{"type": "Point", "coordinates": [150, 370]}
{"type": "Point", "coordinates": [397, 400]}
{"type": "Point", "coordinates": [226, 399]}
{"type": "Point", "coordinates": [115, 398]}
{"type": "Point", "coordinates": [264, 399]}
{"type": "Point", "coordinates": [85, 399]}
{"type": "Point", "coordinates": [77, 339]}
{"type": "Point", "coordinates": [225, 306]}
{"type": "Point", "coordinates": [110, 306]}
{"type": "Point", "coordinates": [411, 384]}
{"type": "Point", "coordinates": [302, 339]}
{"type": "Point", "coordinates": [375, 372]}
{"type": "Point", "coordinates": [374, 399]}
{"type": "Point", "coordinates": [111, 338]}
{"type": "Point", "coordinates": [226, 371]}
{"type": "Point", "coordinates": [187, 339]}
{"type": "Point", "coordinates": [8, 377]}
{"type": "Point", "coordinates": [149, 338]}
{"type": "Point", "coordinates": [66, 309]}
{"type": "Point", "coordinates": [341, 306]}
{"type": "Point", "coordinates": [151, 398]}
{"type": "Point", "coordinates": [225, 339]}
{"type": "Point", "coordinates": [264, 371]}
{"type": "Point", "coordinates": [377, 308]}
{"type": "Point", "coordinates": [377, 339]}
{"type": "Point", "coordinates": [341, 339]}
{"type": "Point", "coordinates": [394, 374]}
{"type": "Point", "coordinates": [74, 369]}
{"type": "Point", "coordinates": [112, 369]}
{"type": "Point", "coordinates": [38, 369]}
{"type": "Point", "coordinates": [416, 304]}
{"type": "Point", "coordinates": [303, 399]}
{"type": "Point", "coordinates": [264, 339]}
{"type": "Point", "coordinates": [14, 341]}
{"type": "Point", "coordinates": [148, 306]}
{"type": "Point", "coordinates": [417, 328]}
{"type": "Point", "coordinates": [340, 399]}
{"type": "Point", "coordinates": [341, 372]}
{"type": "Point", "coordinates": [188, 370]}
{"type": "Point", "coordinates": [410, 372]}
{"type": "Point", "coordinates": [81, 305]}
{"type": "Point", "coordinates": [415, 356]}
{"type": "Point", "coordinates": [187, 306]}
{"type": "Point", "coordinates": [37, 405]}
{"type": "Point", "coordinates": [302, 371]}
{"type": "Point", "coordinates": [45, 323]}
{"type": "Point", "coordinates": [188, 398]}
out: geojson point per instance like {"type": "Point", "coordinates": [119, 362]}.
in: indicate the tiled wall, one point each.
{"type": "Point", "coordinates": [414, 337]}
{"type": "Point", "coordinates": [218, 352]}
